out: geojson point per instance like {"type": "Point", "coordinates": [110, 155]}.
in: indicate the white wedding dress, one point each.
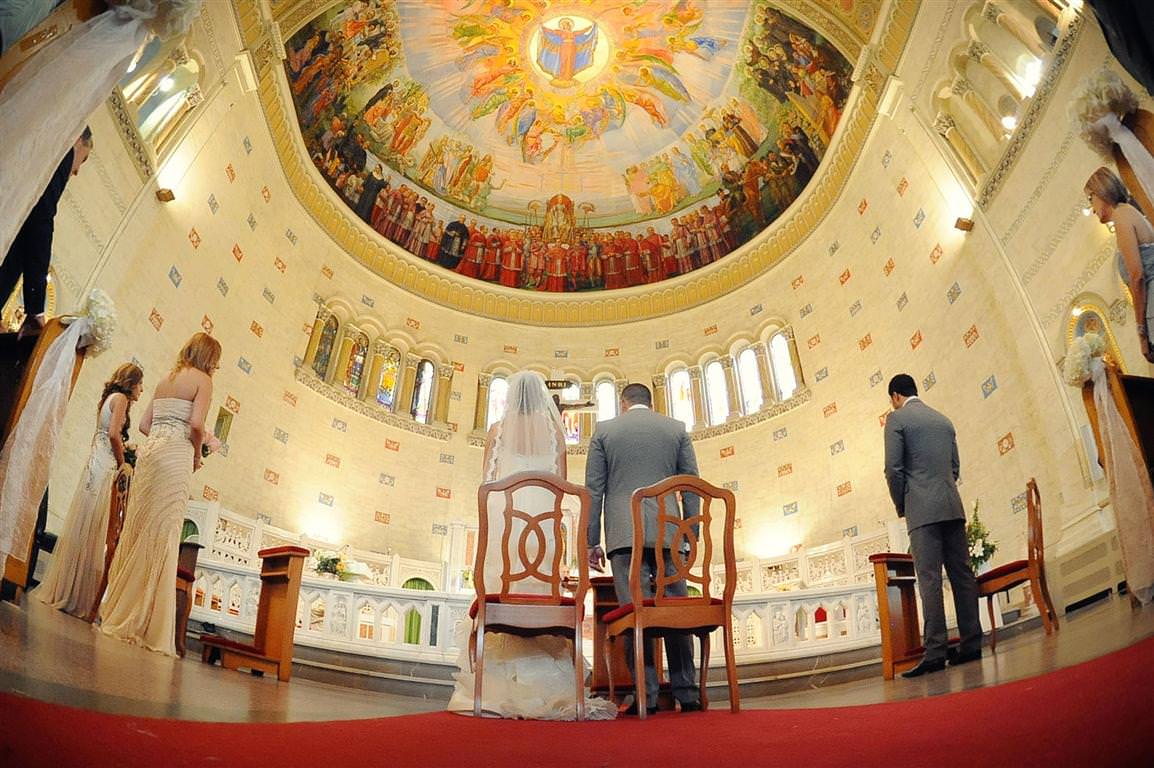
{"type": "Point", "coordinates": [78, 560]}
{"type": "Point", "coordinates": [525, 677]}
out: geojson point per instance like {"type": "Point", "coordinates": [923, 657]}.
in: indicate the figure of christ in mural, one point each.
{"type": "Point", "coordinates": [564, 52]}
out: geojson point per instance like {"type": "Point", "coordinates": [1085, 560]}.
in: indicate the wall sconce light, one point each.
{"type": "Point", "coordinates": [165, 195]}
{"type": "Point", "coordinates": [964, 224]}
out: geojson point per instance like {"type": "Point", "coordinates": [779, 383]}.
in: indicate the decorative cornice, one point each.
{"type": "Point", "coordinates": [126, 128]}
{"type": "Point", "coordinates": [559, 310]}
{"type": "Point", "coordinates": [994, 180]}
{"type": "Point", "coordinates": [373, 411]}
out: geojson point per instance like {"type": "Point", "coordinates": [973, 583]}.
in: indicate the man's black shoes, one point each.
{"type": "Point", "coordinates": [631, 710]}
{"type": "Point", "coordinates": [957, 658]}
{"type": "Point", "coordinates": [925, 667]}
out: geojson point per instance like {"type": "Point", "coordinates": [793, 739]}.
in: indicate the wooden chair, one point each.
{"type": "Point", "coordinates": [185, 579]}
{"type": "Point", "coordinates": [1032, 569]}
{"type": "Point", "coordinates": [897, 611]}
{"type": "Point", "coordinates": [515, 607]}
{"type": "Point", "coordinates": [121, 484]}
{"type": "Point", "coordinates": [276, 617]}
{"type": "Point", "coordinates": [664, 614]}
{"type": "Point", "coordinates": [19, 361]}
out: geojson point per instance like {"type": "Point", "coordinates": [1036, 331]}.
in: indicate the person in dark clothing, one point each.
{"type": "Point", "coordinates": [453, 243]}
{"type": "Point", "coordinates": [31, 250]}
{"type": "Point", "coordinates": [374, 183]}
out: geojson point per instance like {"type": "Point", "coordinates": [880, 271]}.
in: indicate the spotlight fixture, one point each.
{"type": "Point", "coordinates": [165, 195]}
{"type": "Point", "coordinates": [964, 224]}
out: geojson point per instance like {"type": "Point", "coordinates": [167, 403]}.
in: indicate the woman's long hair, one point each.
{"type": "Point", "coordinates": [124, 379]}
{"type": "Point", "coordinates": [1105, 184]}
{"type": "Point", "coordinates": [201, 352]}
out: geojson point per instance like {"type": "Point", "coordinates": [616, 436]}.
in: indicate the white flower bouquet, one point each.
{"type": "Point", "coordinates": [100, 313]}
{"type": "Point", "coordinates": [1084, 348]}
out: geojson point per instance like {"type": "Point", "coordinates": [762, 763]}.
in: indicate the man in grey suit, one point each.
{"type": "Point", "coordinates": [922, 471]}
{"type": "Point", "coordinates": [637, 449]}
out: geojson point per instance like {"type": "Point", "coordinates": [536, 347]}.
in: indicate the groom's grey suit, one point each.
{"type": "Point", "coordinates": [922, 469]}
{"type": "Point", "coordinates": [635, 450]}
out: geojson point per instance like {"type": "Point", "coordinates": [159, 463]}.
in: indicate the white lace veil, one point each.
{"type": "Point", "coordinates": [529, 429]}
{"type": "Point", "coordinates": [44, 107]}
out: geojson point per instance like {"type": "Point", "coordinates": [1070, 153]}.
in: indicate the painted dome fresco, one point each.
{"type": "Point", "coordinates": [566, 146]}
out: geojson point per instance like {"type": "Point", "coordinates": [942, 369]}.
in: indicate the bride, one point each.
{"type": "Point", "coordinates": [525, 677]}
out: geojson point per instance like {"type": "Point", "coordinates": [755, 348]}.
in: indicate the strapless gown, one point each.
{"type": "Point", "coordinates": [140, 604]}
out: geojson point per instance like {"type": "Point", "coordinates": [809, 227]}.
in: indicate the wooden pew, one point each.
{"type": "Point", "coordinates": [276, 616]}
{"type": "Point", "coordinates": [19, 361]}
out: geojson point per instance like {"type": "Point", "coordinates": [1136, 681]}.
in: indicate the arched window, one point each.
{"type": "Point", "coordinates": [498, 390]}
{"type": "Point", "coordinates": [355, 370]}
{"type": "Point", "coordinates": [781, 361]}
{"type": "Point", "coordinates": [423, 391]}
{"type": "Point", "coordinates": [605, 395]}
{"type": "Point", "coordinates": [750, 380]}
{"type": "Point", "coordinates": [716, 393]}
{"type": "Point", "coordinates": [325, 347]}
{"type": "Point", "coordinates": [387, 386]}
{"type": "Point", "coordinates": [162, 87]}
{"type": "Point", "coordinates": [681, 397]}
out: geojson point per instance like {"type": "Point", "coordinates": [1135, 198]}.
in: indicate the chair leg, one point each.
{"type": "Point", "coordinates": [704, 671]}
{"type": "Point", "coordinates": [731, 668]}
{"type": "Point", "coordinates": [639, 670]}
{"type": "Point", "coordinates": [1043, 608]}
{"type": "Point", "coordinates": [478, 670]}
{"type": "Point", "coordinates": [1049, 600]}
{"type": "Point", "coordinates": [608, 653]}
{"type": "Point", "coordinates": [993, 624]}
{"type": "Point", "coordinates": [579, 669]}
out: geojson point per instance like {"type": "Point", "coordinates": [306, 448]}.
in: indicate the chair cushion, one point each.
{"type": "Point", "coordinates": [185, 575]}
{"type": "Point", "coordinates": [649, 602]}
{"type": "Point", "coordinates": [518, 598]}
{"type": "Point", "coordinates": [1002, 570]}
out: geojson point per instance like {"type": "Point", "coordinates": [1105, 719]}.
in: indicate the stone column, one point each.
{"type": "Point", "coordinates": [481, 409]}
{"type": "Point", "coordinates": [587, 420]}
{"type": "Point", "coordinates": [732, 388]}
{"type": "Point", "coordinates": [372, 382]}
{"type": "Point", "coordinates": [337, 374]}
{"type": "Point", "coordinates": [984, 55]}
{"type": "Point", "coordinates": [764, 374]}
{"type": "Point", "coordinates": [947, 128]}
{"type": "Point", "coordinates": [660, 399]}
{"type": "Point", "coordinates": [962, 89]}
{"type": "Point", "coordinates": [323, 315]}
{"type": "Point", "coordinates": [441, 392]}
{"type": "Point", "coordinates": [697, 392]}
{"type": "Point", "coordinates": [794, 357]}
{"type": "Point", "coordinates": [995, 13]}
{"type": "Point", "coordinates": [405, 393]}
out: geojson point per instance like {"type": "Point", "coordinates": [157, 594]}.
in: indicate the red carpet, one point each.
{"type": "Point", "coordinates": [1100, 713]}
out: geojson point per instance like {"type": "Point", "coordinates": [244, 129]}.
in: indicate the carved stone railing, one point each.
{"type": "Point", "coordinates": [817, 601]}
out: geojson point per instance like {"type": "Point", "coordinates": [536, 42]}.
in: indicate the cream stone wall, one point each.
{"type": "Point", "coordinates": [884, 284]}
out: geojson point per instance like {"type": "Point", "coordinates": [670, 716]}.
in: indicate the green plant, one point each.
{"type": "Point", "coordinates": [978, 540]}
{"type": "Point", "coordinates": [329, 564]}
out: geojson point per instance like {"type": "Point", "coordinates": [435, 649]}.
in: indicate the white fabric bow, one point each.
{"type": "Point", "coordinates": [1136, 154]}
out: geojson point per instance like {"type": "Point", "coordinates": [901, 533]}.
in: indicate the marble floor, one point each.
{"type": "Point", "coordinates": [50, 656]}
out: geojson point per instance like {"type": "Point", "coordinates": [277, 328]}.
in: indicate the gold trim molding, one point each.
{"type": "Point", "coordinates": [447, 289]}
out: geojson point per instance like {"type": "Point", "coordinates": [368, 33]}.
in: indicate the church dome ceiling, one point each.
{"type": "Point", "coordinates": [566, 146]}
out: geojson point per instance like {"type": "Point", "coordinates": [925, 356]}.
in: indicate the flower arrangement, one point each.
{"type": "Point", "coordinates": [101, 315]}
{"type": "Point", "coordinates": [1079, 358]}
{"type": "Point", "coordinates": [978, 540]}
{"type": "Point", "coordinates": [331, 563]}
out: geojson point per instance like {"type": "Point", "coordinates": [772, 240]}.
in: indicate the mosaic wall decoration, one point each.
{"type": "Point", "coordinates": [601, 147]}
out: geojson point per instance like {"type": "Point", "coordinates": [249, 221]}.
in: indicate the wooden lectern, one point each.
{"type": "Point", "coordinates": [276, 618]}
{"type": "Point", "coordinates": [897, 612]}
{"type": "Point", "coordinates": [19, 361]}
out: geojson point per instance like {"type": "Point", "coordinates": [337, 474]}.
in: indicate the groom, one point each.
{"type": "Point", "coordinates": [634, 450]}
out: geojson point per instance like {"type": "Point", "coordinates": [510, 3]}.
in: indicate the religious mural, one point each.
{"type": "Point", "coordinates": [561, 145]}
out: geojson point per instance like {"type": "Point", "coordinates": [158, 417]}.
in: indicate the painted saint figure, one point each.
{"type": "Point", "coordinates": [564, 53]}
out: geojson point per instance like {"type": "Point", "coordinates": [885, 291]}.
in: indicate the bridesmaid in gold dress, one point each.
{"type": "Point", "coordinates": [140, 605]}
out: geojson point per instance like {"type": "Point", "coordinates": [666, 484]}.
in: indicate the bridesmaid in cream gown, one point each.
{"type": "Point", "coordinates": [140, 605]}
{"type": "Point", "coordinates": [78, 560]}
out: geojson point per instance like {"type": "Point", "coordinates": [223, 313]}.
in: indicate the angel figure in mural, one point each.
{"type": "Point", "coordinates": [564, 53]}
{"type": "Point", "coordinates": [525, 677]}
